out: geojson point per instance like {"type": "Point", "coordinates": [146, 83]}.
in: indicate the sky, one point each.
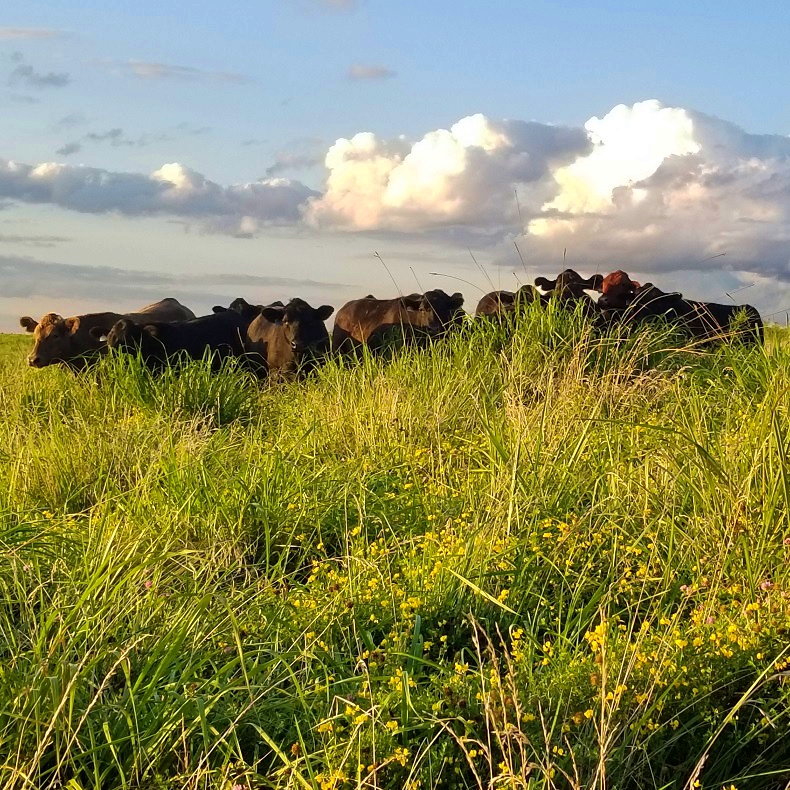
{"type": "Point", "coordinates": [332, 148]}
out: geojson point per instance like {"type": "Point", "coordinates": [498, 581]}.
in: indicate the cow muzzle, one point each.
{"type": "Point", "coordinates": [35, 361]}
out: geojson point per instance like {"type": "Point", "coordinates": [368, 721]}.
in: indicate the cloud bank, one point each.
{"type": "Point", "coordinates": [175, 190]}
{"type": "Point", "coordinates": [647, 186]}
{"type": "Point", "coordinates": [464, 175]}
{"type": "Point", "coordinates": [23, 277]}
{"type": "Point", "coordinates": [667, 188]}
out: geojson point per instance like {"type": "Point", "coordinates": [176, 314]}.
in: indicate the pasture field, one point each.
{"type": "Point", "coordinates": [551, 561]}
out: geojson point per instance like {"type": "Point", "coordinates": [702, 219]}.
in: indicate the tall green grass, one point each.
{"type": "Point", "coordinates": [526, 557]}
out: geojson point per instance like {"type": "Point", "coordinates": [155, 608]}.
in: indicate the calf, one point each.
{"type": "Point", "coordinates": [288, 339]}
{"type": "Point", "coordinates": [75, 342]}
{"type": "Point", "coordinates": [160, 344]}
{"type": "Point", "coordinates": [368, 321]}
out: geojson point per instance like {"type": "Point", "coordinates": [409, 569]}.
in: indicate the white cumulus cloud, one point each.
{"type": "Point", "coordinates": [666, 188]}
{"type": "Point", "coordinates": [462, 175]}
{"type": "Point", "coordinates": [645, 187]}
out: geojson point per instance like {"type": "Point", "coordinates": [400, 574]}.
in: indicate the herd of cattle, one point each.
{"type": "Point", "coordinates": [286, 338]}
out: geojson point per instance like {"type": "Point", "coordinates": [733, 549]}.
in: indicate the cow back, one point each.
{"type": "Point", "coordinates": [718, 322]}
{"type": "Point", "coordinates": [165, 310]}
{"type": "Point", "coordinates": [496, 303]}
{"type": "Point", "coordinates": [370, 321]}
{"type": "Point", "coordinates": [221, 335]}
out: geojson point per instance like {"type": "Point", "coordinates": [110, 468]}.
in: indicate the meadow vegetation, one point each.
{"type": "Point", "coordinates": [538, 559]}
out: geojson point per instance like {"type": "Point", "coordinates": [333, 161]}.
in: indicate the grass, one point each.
{"type": "Point", "coordinates": [545, 560]}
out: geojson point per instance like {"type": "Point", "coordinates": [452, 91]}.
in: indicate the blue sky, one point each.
{"type": "Point", "coordinates": [238, 92]}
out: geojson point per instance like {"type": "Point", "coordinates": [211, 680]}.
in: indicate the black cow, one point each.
{"type": "Point", "coordinates": [707, 322]}
{"type": "Point", "coordinates": [570, 284]}
{"type": "Point", "coordinates": [160, 344]}
{"type": "Point", "coordinates": [244, 308]}
{"type": "Point", "coordinates": [288, 338]}
{"type": "Point", "coordinates": [568, 290]}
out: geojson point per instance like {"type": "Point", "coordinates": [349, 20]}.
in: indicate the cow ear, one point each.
{"type": "Point", "coordinates": [546, 285]}
{"type": "Point", "coordinates": [72, 324]}
{"type": "Point", "coordinates": [637, 285]}
{"type": "Point", "coordinates": [412, 301]}
{"type": "Point", "coordinates": [219, 309]}
{"type": "Point", "coordinates": [457, 299]}
{"type": "Point", "coordinates": [324, 311]}
{"type": "Point", "coordinates": [596, 283]}
{"type": "Point", "coordinates": [272, 314]}
{"type": "Point", "coordinates": [525, 293]}
{"type": "Point", "coordinates": [98, 333]}
{"type": "Point", "coordinates": [27, 323]}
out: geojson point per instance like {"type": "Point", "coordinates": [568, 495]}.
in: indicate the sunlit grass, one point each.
{"type": "Point", "coordinates": [527, 557]}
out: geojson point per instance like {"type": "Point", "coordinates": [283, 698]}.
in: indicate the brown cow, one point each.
{"type": "Point", "coordinates": [76, 341]}
{"type": "Point", "coordinates": [368, 321]}
{"type": "Point", "coordinates": [619, 289]}
{"type": "Point", "coordinates": [504, 302]}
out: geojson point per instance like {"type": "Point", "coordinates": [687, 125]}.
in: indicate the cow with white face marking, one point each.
{"type": "Point", "coordinates": [569, 290]}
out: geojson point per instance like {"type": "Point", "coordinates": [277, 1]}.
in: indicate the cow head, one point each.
{"type": "Point", "coordinates": [126, 336]}
{"type": "Point", "coordinates": [246, 310]}
{"type": "Point", "coordinates": [57, 340]}
{"type": "Point", "coordinates": [527, 294]}
{"type": "Point", "coordinates": [505, 300]}
{"type": "Point", "coordinates": [569, 284]}
{"type": "Point", "coordinates": [302, 325]}
{"type": "Point", "coordinates": [617, 291]}
{"type": "Point", "coordinates": [447, 310]}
